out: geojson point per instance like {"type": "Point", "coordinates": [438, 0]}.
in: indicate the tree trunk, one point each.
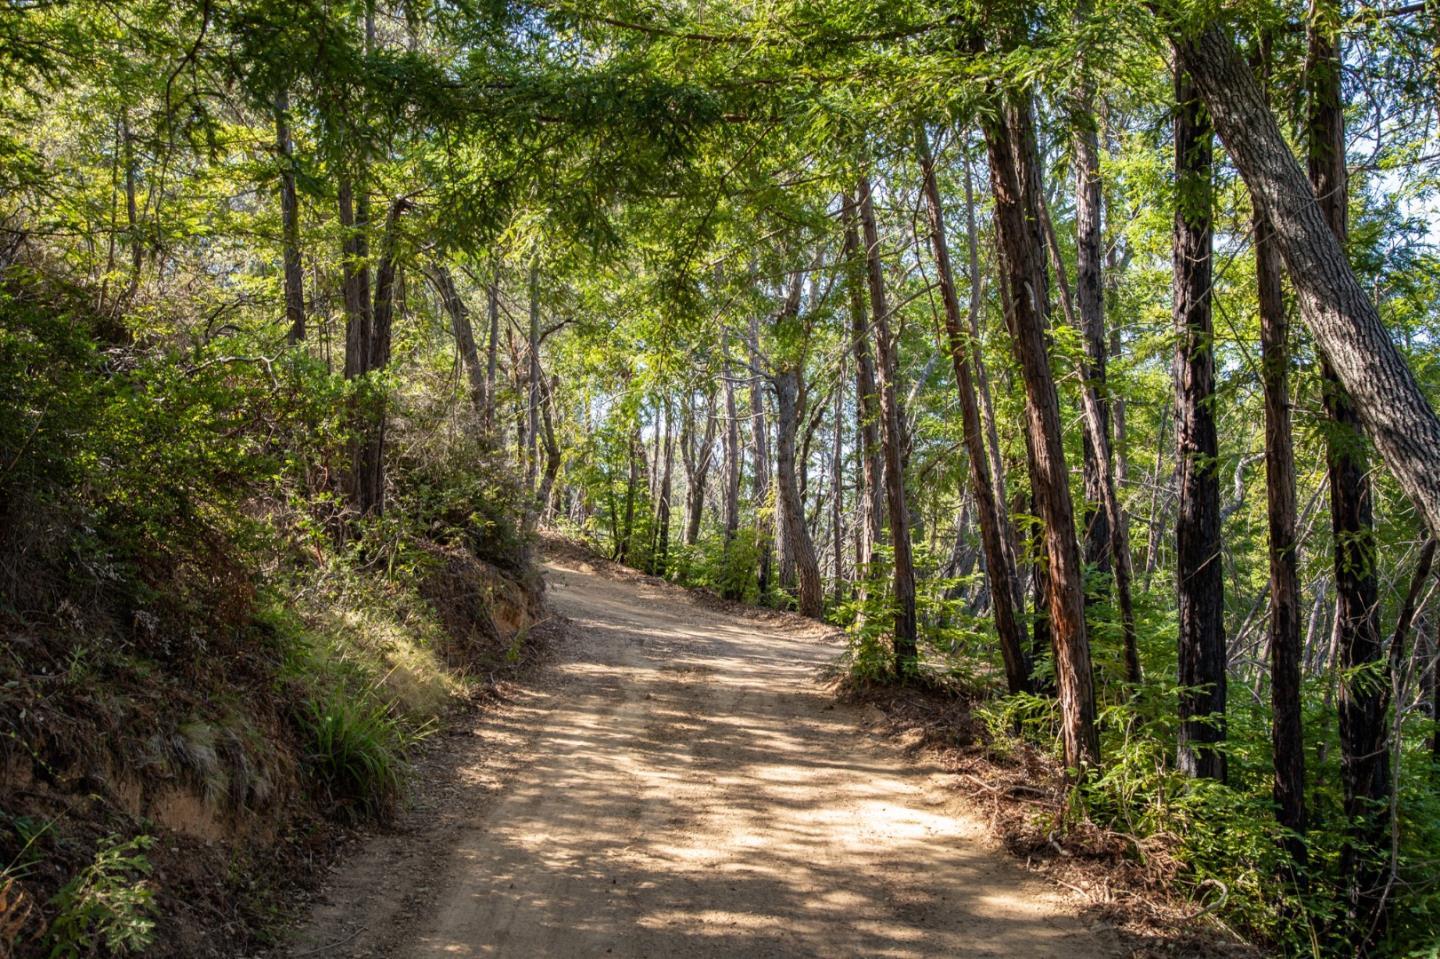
{"type": "Point", "coordinates": [891, 443]}
{"type": "Point", "coordinates": [444, 283]}
{"type": "Point", "coordinates": [1090, 300]}
{"type": "Point", "coordinates": [662, 550]}
{"type": "Point", "coordinates": [289, 222]}
{"type": "Point", "coordinates": [532, 432]}
{"type": "Point", "coordinates": [761, 480]}
{"type": "Point", "coordinates": [1346, 326]}
{"type": "Point", "coordinates": [1287, 729]}
{"type": "Point", "coordinates": [355, 277]}
{"type": "Point", "coordinates": [552, 451]}
{"type": "Point", "coordinates": [1010, 141]}
{"type": "Point", "coordinates": [1199, 576]}
{"type": "Point", "coordinates": [867, 412]}
{"type": "Point", "coordinates": [789, 389]}
{"type": "Point", "coordinates": [1000, 572]}
{"type": "Point", "coordinates": [1364, 750]}
{"type": "Point", "coordinates": [492, 305]}
{"type": "Point", "coordinates": [699, 465]}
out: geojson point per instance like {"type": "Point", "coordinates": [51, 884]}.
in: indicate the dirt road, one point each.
{"type": "Point", "coordinates": [682, 787]}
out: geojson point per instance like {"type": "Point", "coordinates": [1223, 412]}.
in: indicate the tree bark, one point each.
{"type": "Point", "coordinates": [837, 484]}
{"type": "Point", "coordinates": [999, 570]}
{"type": "Point", "coordinates": [867, 412]}
{"type": "Point", "coordinates": [1287, 729]}
{"type": "Point", "coordinates": [760, 440]}
{"type": "Point", "coordinates": [891, 445]}
{"type": "Point", "coordinates": [662, 551]}
{"type": "Point", "coordinates": [444, 282]}
{"type": "Point", "coordinates": [1346, 326]}
{"type": "Point", "coordinates": [289, 223]}
{"type": "Point", "coordinates": [492, 306]}
{"type": "Point", "coordinates": [1010, 141]}
{"type": "Point", "coordinates": [1199, 576]}
{"type": "Point", "coordinates": [789, 389]}
{"type": "Point", "coordinates": [1090, 300]}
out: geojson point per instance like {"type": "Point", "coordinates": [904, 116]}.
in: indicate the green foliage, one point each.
{"type": "Point", "coordinates": [356, 753]}
{"type": "Point", "coordinates": [108, 904]}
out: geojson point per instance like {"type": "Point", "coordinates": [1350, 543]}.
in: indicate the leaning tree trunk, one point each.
{"type": "Point", "coordinates": [999, 570]}
{"type": "Point", "coordinates": [1346, 325]}
{"type": "Point", "coordinates": [1364, 749]}
{"type": "Point", "coordinates": [289, 222]}
{"type": "Point", "coordinates": [1010, 141]}
{"type": "Point", "coordinates": [1287, 728]}
{"type": "Point", "coordinates": [891, 445]}
{"type": "Point", "coordinates": [464, 333]}
{"type": "Point", "coordinates": [1199, 577]}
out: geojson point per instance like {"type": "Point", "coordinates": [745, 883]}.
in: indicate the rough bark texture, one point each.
{"type": "Point", "coordinates": [1010, 141]}
{"type": "Point", "coordinates": [891, 445]}
{"type": "Point", "coordinates": [289, 222]}
{"type": "Point", "coordinates": [999, 569]}
{"type": "Point", "coordinates": [867, 404]}
{"type": "Point", "coordinates": [1199, 577]}
{"type": "Point", "coordinates": [1364, 750]}
{"type": "Point", "coordinates": [1338, 313]}
{"type": "Point", "coordinates": [1287, 734]}
{"type": "Point", "coordinates": [789, 390]}
{"type": "Point", "coordinates": [354, 277]}
{"type": "Point", "coordinates": [1090, 301]}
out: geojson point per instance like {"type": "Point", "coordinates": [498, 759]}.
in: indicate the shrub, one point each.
{"type": "Point", "coordinates": [108, 903]}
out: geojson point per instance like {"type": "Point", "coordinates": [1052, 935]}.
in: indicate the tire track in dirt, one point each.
{"type": "Point", "coordinates": [680, 785]}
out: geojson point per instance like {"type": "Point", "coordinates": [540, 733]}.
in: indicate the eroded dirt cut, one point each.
{"type": "Point", "coordinates": [682, 786]}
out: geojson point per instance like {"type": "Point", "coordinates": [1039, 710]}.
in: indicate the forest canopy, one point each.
{"type": "Point", "coordinates": [1079, 355]}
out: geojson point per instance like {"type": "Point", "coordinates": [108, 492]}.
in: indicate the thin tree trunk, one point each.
{"type": "Point", "coordinates": [867, 412]}
{"type": "Point", "coordinates": [789, 388]}
{"type": "Point", "coordinates": [1100, 466]}
{"type": "Point", "coordinates": [1345, 323]}
{"type": "Point", "coordinates": [492, 306]}
{"type": "Point", "coordinates": [552, 451]}
{"type": "Point", "coordinates": [1010, 140]}
{"type": "Point", "coordinates": [532, 439]}
{"type": "Point", "coordinates": [444, 283]}
{"type": "Point", "coordinates": [662, 551]}
{"type": "Point", "coordinates": [289, 222]}
{"type": "Point", "coordinates": [1199, 576]}
{"type": "Point", "coordinates": [761, 481]}
{"type": "Point", "coordinates": [891, 443]}
{"type": "Point", "coordinates": [1001, 575]}
{"type": "Point", "coordinates": [837, 485]}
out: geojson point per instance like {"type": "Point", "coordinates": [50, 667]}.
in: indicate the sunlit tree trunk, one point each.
{"type": "Point", "coordinates": [454, 304]}
{"type": "Point", "coordinates": [1010, 141]}
{"type": "Point", "coordinates": [760, 442]}
{"type": "Point", "coordinates": [891, 444]}
{"type": "Point", "coordinates": [999, 570]}
{"type": "Point", "coordinates": [867, 406]}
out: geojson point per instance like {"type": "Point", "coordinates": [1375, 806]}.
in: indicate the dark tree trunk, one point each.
{"type": "Point", "coordinates": [355, 277]}
{"type": "Point", "coordinates": [289, 223]}
{"type": "Point", "coordinates": [1287, 732]}
{"type": "Point", "coordinates": [1364, 749]}
{"type": "Point", "coordinates": [1199, 575]}
{"type": "Point", "coordinates": [1010, 140]}
{"type": "Point", "coordinates": [552, 450]}
{"type": "Point", "coordinates": [1287, 729]}
{"type": "Point", "coordinates": [697, 464]}
{"type": "Point", "coordinates": [1090, 300]}
{"type": "Point", "coordinates": [1337, 311]}
{"type": "Point", "coordinates": [891, 446]}
{"type": "Point", "coordinates": [532, 379]}
{"type": "Point", "coordinates": [1000, 574]}
{"type": "Point", "coordinates": [622, 553]}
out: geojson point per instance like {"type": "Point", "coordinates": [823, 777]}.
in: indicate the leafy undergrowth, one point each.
{"type": "Point", "coordinates": [208, 665]}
